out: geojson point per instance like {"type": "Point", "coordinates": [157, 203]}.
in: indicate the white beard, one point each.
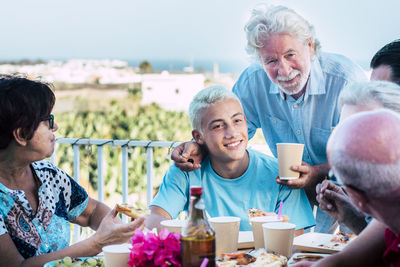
{"type": "Point", "coordinates": [295, 87]}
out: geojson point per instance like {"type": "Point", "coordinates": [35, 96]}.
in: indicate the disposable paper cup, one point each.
{"type": "Point", "coordinates": [173, 226]}
{"type": "Point", "coordinates": [226, 233]}
{"type": "Point", "coordinates": [289, 154]}
{"type": "Point", "coordinates": [278, 237]}
{"type": "Point", "coordinates": [256, 225]}
{"type": "Point", "coordinates": [116, 255]}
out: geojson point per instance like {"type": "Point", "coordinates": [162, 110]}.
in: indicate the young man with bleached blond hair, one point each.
{"type": "Point", "coordinates": [234, 178]}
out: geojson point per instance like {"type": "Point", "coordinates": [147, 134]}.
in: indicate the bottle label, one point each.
{"type": "Point", "coordinates": [200, 205]}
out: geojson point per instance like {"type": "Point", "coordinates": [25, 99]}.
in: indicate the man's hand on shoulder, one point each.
{"type": "Point", "coordinates": [188, 156]}
{"type": "Point", "coordinates": [309, 176]}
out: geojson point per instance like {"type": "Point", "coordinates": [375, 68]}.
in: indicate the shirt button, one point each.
{"type": "Point", "coordinates": [295, 106]}
{"type": "Point", "coordinates": [274, 121]}
{"type": "Point", "coordinates": [298, 132]}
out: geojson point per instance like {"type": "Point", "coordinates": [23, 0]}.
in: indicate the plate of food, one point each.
{"type": "Point", "coordinates": [75, 262]}
{"type": "Point", "coordinates": [297, 257]}
{"type": "Point", "coordinates": [323, 243]}
{"type": "Point", "coordinates": [131, 211]}
{"type": "Point", "coordinates": [252, 259]}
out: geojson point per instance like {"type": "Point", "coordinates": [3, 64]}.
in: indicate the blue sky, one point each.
{"type": "Point", "coordinates": [180, 29]}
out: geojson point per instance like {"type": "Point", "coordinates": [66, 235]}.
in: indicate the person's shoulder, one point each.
{"type": "Point", "coordinates": [341, 66]}
{"type": "Point", "coordinates": [175, 173]}
{"type": "Point", "coordinates": [253, 70]}
{"type": "Point", "coordinates": [262, 159]}
{"type": "Point", "coordinates": [45, 166]}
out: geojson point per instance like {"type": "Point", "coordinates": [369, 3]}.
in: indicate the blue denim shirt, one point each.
{"type": "Point", "coordinates": [308, 120]}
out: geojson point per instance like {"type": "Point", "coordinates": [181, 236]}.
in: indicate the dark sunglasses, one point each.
{"type": "Point", "coordinates": [50, 118]}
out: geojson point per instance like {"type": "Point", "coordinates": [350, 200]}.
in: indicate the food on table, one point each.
{"type": "Point", "coordinates": [343, 238]}
{"type": "Point", "coordinates": [76, 262]}
{"type": "Point", "coordinates": [264, 259]}
{"type": "Point", "coordinates": [231, 263]}
{"type": "Point", "coordinates": [241, 257]}
{"type": "Point", "coordinates": [270, 260]}
{"type": "Point", "coordinates": [254, 212]}
{"type": "Point", "coordinates": [338, 241]}
{"type": "Point", "coordinates": [307, 257]}
{"type": "Point", "coordinates": [198, 237]}
{"type": "Point", "coordinates": [131, 211]}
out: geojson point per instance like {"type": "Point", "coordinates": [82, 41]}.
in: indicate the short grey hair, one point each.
{"type": "Point", "coordinates": [369, 93]}
{"type": "Point", "coordinates": [375, 179]}
{"type": "Point", "coordinates": [205, 98]}
{"type": "Point", "coordinates": [266, 20]}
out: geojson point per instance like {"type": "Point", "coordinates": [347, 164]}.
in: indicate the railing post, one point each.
{"type": "Point", "coordinates": [100, 174]}
{"type": "Point", "coordinates": [124, 153]}
{"type": "Point", "coordinates": [124, 174]}
{"type": "Point", "coordinates": [77, 228]}
{"type": "Point", "coordinates": [149, 151]}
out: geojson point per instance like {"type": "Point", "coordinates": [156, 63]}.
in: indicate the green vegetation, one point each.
{"type": "Point", "coordinates": [145, 67]}
{"type": "Point", "coordinates": [117, 121]}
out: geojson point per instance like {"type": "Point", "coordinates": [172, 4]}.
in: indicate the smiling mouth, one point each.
{"type": "Point", "coordinates": [234, 144]}
{"type": "Point", "coordinates": [289, 82]}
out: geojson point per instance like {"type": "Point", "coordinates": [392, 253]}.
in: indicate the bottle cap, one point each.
{"type": "Point", "coordinates": [196, 190]}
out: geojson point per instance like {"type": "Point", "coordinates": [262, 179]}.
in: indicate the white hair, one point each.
{"type": "Point", "coordinates": [368, 94]}
{"type": "Point", "coordinates": [205, 98]}
{"type": "Point", "coordinates": [375, 179]}
{"type": "Point", "coordinates": [266, 20]}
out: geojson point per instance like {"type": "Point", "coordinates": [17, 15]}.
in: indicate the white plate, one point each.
{"type": "Point", "coordinates": [245, 240]}
{"type": "Point", "coordinates": [317, 242]}
{"type": "Point", "coordinates": [292, 262]}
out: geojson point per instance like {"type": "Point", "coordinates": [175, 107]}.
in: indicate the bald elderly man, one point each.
{"type": "Point", "coordinates": [364, 152]}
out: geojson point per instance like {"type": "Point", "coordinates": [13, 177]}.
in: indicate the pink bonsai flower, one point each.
{"type": "Point", "coordinates": [149, 249]}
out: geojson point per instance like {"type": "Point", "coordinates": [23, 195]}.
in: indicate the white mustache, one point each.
{"type": "Point", "coordinates": [293, 74]}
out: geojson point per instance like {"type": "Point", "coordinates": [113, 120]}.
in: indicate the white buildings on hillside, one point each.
{"type": "Point", "coordinates": [171, 91]}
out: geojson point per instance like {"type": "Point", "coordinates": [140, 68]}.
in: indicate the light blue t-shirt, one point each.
{"type": "Point", "coordinates": [308, 120]}
{"type": "Point", "coordinates": [256, 188]}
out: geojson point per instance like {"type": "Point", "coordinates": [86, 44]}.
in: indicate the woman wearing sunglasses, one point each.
{"type": "Point", "coordinates": [38, 200]}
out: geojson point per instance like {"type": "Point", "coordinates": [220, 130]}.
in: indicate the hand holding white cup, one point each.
{"type": "Point", "coordinates": [289, 154]}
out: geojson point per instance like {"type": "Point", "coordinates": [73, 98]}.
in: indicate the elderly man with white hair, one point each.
{"type": "Point", "coordinates": [290, 92]}
{"type": "Point", "coordinates": [364, 152]}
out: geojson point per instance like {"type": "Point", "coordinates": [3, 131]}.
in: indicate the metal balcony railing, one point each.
{"type": "Point", "coordinates": [124, 144]}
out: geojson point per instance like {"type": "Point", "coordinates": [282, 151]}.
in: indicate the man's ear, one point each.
{"type": "Point", "coordinates": [197, 137]}
{"type": "Point", "coordinates": [311, 46]}
{"type": "Point", "coordinates": [359, 199]}
{"type": "Point", "coordinates": [19, 138]}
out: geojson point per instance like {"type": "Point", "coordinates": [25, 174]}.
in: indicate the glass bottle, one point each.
{"type": "Point", "coordinates": [198, 237]}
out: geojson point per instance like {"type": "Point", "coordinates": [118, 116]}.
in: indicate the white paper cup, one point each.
{"type": "Point", "coordinates": [256, 225]}
{"type": "Point", "coordinates": [173, 226]}
{"type": "Point", "coordinates": [278, 238]}
{"type": "Point", "coordinates": [289, 154]}
{"type": "Point", "coordinates": [117, 255]}
{"type": "Point", "coordinates": [226, 233]}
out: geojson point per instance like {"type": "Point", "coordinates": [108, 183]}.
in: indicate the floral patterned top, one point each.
{"type": "Point", "coordinates": [61, 200]}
